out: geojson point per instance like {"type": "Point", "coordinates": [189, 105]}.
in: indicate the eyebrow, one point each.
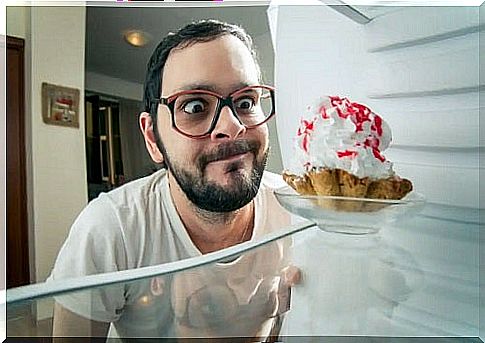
{"type": "Point", "coordinates": [211, 87]}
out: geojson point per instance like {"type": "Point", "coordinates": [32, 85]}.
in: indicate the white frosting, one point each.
{"type": "Point", "coordinates": [337, 133]}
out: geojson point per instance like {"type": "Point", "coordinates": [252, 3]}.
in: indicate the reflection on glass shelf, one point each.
{"type": "Point", "coordinates": [243, 294]}
{"type": "Point", "coordinates": [419, 278]}
{"type": "Point", "coordinates": [352, 284]}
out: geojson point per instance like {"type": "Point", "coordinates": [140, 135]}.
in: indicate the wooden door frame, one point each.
{"type": "Point", "coordinates": [19, 45]}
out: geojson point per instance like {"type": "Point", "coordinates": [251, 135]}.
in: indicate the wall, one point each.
{"type": "Point", "coordinates": [58, 153]}
{"type": "Point", "coordinates": [113, 86]}
{"type": "Point", "coordinates": [17, 21]}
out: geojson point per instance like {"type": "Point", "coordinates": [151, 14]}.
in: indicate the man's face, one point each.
{"type": "Point", "coordinates": [222, 172]}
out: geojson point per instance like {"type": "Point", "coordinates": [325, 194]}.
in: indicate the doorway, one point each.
{"type": "Point", "coordinates": [17, 265]}
{"type": "Point", "coordinates": [103, 145]}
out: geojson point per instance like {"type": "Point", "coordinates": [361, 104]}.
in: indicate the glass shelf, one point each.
{"type": "Point", "coordinates": [418, 279]}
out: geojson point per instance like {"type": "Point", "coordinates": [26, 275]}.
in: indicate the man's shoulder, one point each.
{"type": "Point", "coordinates": [120, 205]}
{"type": "Point", "coordinates": [136, 190]}
{"type": "Point", "coordinates": [120, 216]}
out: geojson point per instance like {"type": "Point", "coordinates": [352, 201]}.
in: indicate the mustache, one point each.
{"type": "Point", "coordinates": [226, 150]}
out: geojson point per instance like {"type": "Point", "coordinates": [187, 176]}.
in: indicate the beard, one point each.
{"type": "Point", "coordinates": [210, 196]}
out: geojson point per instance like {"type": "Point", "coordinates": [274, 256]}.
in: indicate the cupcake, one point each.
{"type": "Point", "coordinates": [339, 147]}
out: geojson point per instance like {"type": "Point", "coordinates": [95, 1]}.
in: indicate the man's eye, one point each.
{"type": "Point", "coordinates": [194, 106]}
{"type": "Point", "coordinates": [244, 104]}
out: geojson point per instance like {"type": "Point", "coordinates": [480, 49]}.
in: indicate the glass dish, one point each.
{"type": "Point", "coordinates": [349, 215]}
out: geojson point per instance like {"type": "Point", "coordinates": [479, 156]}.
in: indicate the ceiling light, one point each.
{"type": "Point", "coordinates": [136, 38]}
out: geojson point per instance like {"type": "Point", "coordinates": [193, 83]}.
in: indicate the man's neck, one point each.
{"type": "Point", "coordinates": [211, 231]}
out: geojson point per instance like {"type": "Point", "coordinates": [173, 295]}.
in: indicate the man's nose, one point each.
{"type": "Point", "coordinates": [227, 126]}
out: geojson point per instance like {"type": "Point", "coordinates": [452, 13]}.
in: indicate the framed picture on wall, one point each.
{"type": "Point", "coordinates": [60, 105]}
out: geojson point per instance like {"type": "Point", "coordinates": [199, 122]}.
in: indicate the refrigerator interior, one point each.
{"type": "Point", "coordinates": [417, 67]}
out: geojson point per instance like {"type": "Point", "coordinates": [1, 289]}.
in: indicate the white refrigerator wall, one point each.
{"type": "Point", "coordinates": [418, 68]}
{"type": "Point", "coordinates": [482, 185]}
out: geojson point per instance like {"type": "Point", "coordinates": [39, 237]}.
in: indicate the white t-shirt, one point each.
{"type": "Point", "coordinates": [137, 225]}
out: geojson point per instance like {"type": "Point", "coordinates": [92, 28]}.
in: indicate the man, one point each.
{"type": "Point", "coordinates": [205, 121]}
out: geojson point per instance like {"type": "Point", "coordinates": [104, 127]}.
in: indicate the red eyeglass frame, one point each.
{"type": "Point", "coordinates": [169, 101]}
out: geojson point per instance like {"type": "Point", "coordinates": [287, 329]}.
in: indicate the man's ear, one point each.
{"type": "Point", "coordinates": [146, 127]}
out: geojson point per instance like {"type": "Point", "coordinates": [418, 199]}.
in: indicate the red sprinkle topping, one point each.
{"type": "Point", "coordinates": [359, 114]}
{"type": "Point", "coordinates": [377, 154]}
{"type": "Point", "coordinates": [306, 127]}
{"type": "Point", "coordinates": [340, 105]}
{"type": "Point", "coordinates": [347, 153]}
{"type": "Point", "coordinates": [372, 142]}
{"type": "Point", "coordinates": [378, 124]}
{"type": "Point", "coordinates": [304, 130]}
{"type": "Point", "coordinates": [335, 100]}
{"type": "Point", "coordinates": [323, 112]}
{"type": "Point", "coordinates": [305, 143]}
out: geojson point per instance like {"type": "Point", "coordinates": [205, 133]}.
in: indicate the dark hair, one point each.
{"type": "Point", "coordinates": [200, 31]}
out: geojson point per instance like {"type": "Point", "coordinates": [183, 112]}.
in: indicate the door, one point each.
{"type": "Point", "coordinates": [103, 145]}
{"type": "Point", "coordinates": [17, 233]}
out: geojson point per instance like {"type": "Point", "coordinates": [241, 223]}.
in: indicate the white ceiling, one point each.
{"type": "Point", "coordinates": [107, 53]}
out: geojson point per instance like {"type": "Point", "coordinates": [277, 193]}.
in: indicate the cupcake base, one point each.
{"type": "Point", "coordinates": [338, 182]}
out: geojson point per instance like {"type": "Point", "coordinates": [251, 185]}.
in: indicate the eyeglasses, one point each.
{"type": "Point", "coordinates": [195, 112]}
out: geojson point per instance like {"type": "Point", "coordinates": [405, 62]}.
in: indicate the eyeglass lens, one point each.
{"type": "Point", "coordinates": [194, 112]}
